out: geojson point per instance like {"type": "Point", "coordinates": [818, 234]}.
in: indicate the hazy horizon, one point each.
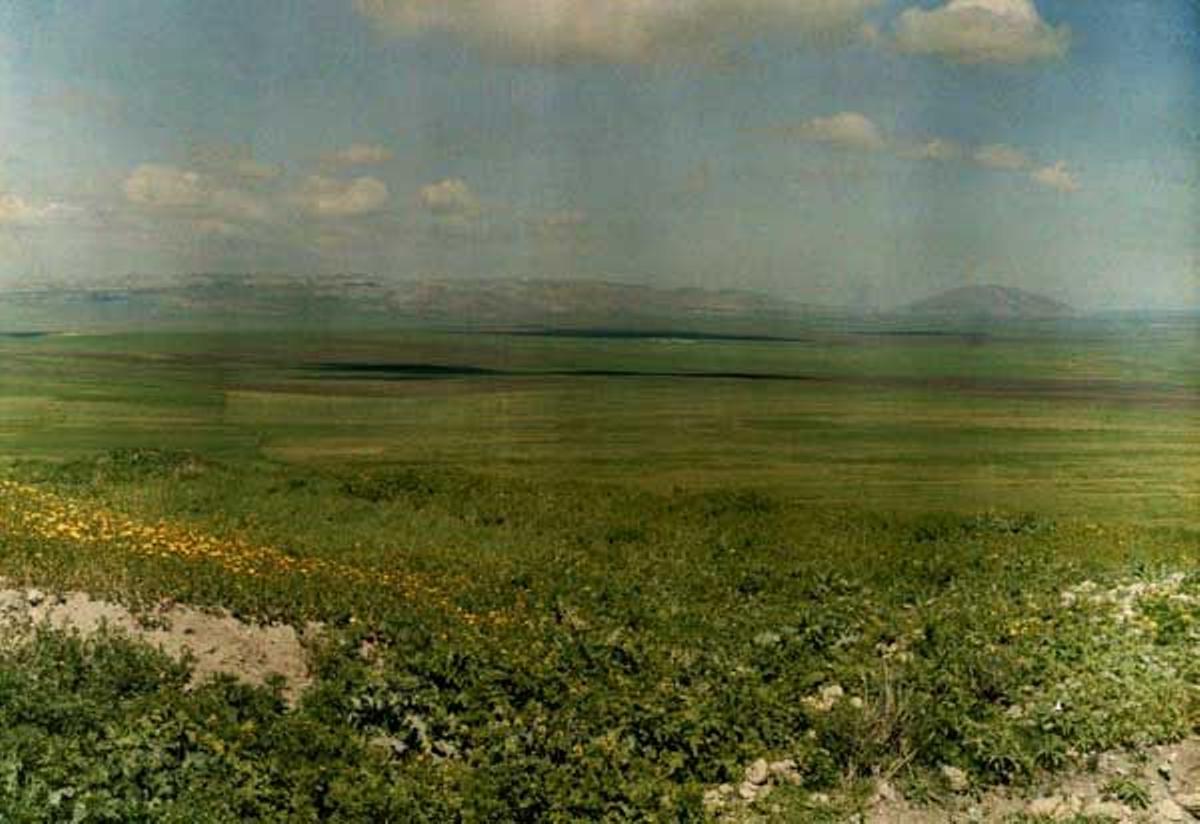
{"type": "Point", "coordinates": [864, 153]}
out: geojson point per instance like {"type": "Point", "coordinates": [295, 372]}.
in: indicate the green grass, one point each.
{"type": "Point", "coordinates": [1065, 424]}
{"type": "Point", "coordinates": [588, 598]}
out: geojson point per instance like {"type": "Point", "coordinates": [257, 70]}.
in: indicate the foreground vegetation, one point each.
{"type": "Point", "coordinates": [554, 596]}
{"type": "Point", "coordinates": [488, 658]}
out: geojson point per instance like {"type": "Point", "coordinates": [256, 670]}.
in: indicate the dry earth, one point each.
{"type": "Point", "coordinates": [1168, 778]}
{"type": "Point", "coordinates": [217, 642]}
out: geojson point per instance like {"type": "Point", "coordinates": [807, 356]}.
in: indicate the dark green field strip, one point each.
{"type": "Point", "coordinates": [1102, 390]}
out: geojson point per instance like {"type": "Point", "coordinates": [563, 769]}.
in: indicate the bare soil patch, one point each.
{"type": "Point", "coordinates": [216, 641]}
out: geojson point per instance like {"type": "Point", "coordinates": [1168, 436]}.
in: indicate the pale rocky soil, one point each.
{"type": "Point", "coordinates": [217, 642]}
{"type": "Point", "coordinates": [1167, 776]}
{"type": "Point", "coordinates": [1170, 776]}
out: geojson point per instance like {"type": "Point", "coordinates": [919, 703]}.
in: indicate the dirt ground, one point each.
{"type": "Point", "coordinates": [1169, 777]}
{"type": "Point", "coordinates": [218, 642]}
{"type": "Point", "coordinates": [1159, 785]}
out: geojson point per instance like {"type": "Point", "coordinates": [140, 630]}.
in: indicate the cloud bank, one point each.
{"type": "Point", "coordinates": [1056, 177]}
{"type": "Point", "coordinates": [615, 31]}
{"type": "Point", "coordinates": [17, 211]}
{"type": "Point", "coordinates": [1001, 156]}
{"type": "Point", "coordinates": [845, 130]}
{"type": "Point", "coordinates": [322, 196]}
{"type": "Point", "coordinates": [982, 31]}
{"type": "Point", "coordinates": [449, 198]}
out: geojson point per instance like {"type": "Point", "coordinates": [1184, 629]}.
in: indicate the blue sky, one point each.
{"type": "Point", "coordinates": [836, 151]}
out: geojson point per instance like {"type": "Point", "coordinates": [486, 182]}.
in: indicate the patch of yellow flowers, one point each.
{"type": "Point", "coordinates": [28, 510]}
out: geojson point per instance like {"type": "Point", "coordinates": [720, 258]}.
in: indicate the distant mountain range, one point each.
{"type": "Point", "coordinates": [268, 299]}
{"type": "Point", "coordinates": [471, 303]}
{"type": "Point", "coordinates": [989, 303]}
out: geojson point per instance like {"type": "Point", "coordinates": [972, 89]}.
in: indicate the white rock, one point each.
{"type": "Point", "coordinates": [714, 799]}
{"type": "Point", "coordinates": [35, 597]}
{"type": "Point", "coordinates": [955, 778]}
{"type": "Point", "coordinates": [885, 793]}
{"type": "Point", "coordinates": [825, 698]}
{"type": "Point", "coordinates": [786, 771]}
{"type": "Point", "coordinates": [12, 602]}
{"type": "Point", "coordinates": [758, 772]}
{"type": "Point", "coordinates": [748, 791]}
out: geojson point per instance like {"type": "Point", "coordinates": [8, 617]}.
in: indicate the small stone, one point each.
{"type": "Point", "coordinates": [389, 744]}
{"type": "Point", "coordinates": [35, 597]}
{"type": "Point", "coordinates": [12, 602]}
{"type": "Point", "coordinates": [825, 698]}
{"type": "Point", "coordinates": [786, 771]}
{"type": "Point", "coordinates": [748, 791]}
{"type": "Point", "coordinates": [956, 779]}
{"type": "Point", "coordinates": [1168, 810]}
{"type": "Point", "coordinates": [857, 703]}
{"type": "Point", "coordinates": [758, 772]}
{"type": "Point", "coordinates": [1190, 802]}
{"type": "Point", "coordinates": [714, 800]}
{"type": "Point", "coordinates": [885, 793]}
{"type": "Point", "coordinates": [819, 798]}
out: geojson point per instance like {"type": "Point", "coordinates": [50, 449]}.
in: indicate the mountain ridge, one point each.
{"type": "Point", "coordinates": [990, 302]}
{"type": "Point", "coordinates": [499, 302]}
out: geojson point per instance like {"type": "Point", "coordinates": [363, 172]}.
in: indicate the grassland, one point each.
{"type": "Point", "coordinates": [583, 579]}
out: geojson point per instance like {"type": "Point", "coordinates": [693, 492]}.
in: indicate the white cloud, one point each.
{"type": "Point", "coordinates": [168, 189]}
{"type": "Point", "coordinates": [449, 198]}
{"type": "Point", "coordinates": [937, 148]}
{"type": "Point", "coordinates": [160, 186]}
{"type": "Point", "coordinates": [982, 31]}
{"type": "Point", "coordinates": [360, 154]}
{"type": "Point", "coordinates": [1056, 177]}
{"type": "Point", "coordinates": [1000, 156]}
{"type": "Point", "coordinates": [332, 197]}
{"type": "Point", "coordinates": [615, 31]}
{"type": "Point", "coordinates": [17, 211]}
{"type": "Point", "coordinates": [847, 130]}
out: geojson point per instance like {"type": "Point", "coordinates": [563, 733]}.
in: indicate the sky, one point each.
{"type": "Point", "coordinates": [860, 152]}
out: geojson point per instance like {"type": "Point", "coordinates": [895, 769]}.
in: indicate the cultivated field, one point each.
{"type": "Point", "coordinates": [545, 577]}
